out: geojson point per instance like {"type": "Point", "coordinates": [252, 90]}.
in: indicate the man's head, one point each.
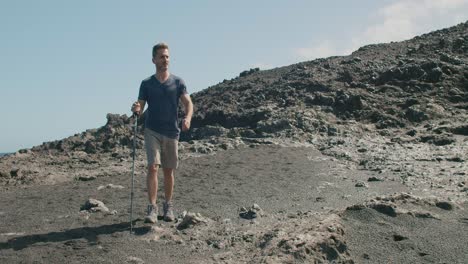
{"type": "Point", "coordinates": [161, 56]}
{"type": "Point", "coordinates": [159, 46]}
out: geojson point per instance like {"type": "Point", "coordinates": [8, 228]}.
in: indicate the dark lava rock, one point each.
{"type": "Point", "coordinates": [445, 205]}
{"type": "Point", "coordinates": [245, 73]}
{"type": "Point", "coordinates": [86, 178]}
{"type": "Point", "coordinates": [361, 184]}
{"type": "Point", "coordinates": [415, 114]}
{"type": "Point", "coordinates": [399, 238]}
{"type": "Point", "coordinates": [412, 133]}
{"type": "Point", "coordinates": [250, 213]}
{"type": "Point", "coordinates": [461, 130]}
{"type": "Point", "coordinates": [374, 179]}
{"type": "Point", "coordinates": [438, 140]}
{"type": "Point", "coordinates": [15, 172]}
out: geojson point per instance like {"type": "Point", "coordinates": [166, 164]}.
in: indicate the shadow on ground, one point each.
{"type": "Point", "coordinates": [88, 233]}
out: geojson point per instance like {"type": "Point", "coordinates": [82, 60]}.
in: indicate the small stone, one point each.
{"type": "Point", "coordinates": [191, 219]}
{"type": "Point", "coordinates": [399, 238]}
{"type": "Point", "coordinates": [445, 205]}
{"type": "Point", "coordinates": [216, 244]}
{"type": "Point", "coordinates": [93, 205]}
{"type": "Point", "coordinates": [86, 178]}
{"type": "Point", "coordinates": [135, 260]}
{"type": "Point", "coordinates": [374, 179]}
{"type": "Point", "coordinates": [256, 207]}
{"type": "Point", "coordinates": [292, 215]}
{"type": "Point", "coordinates": [110, 186]}
{"type": "Point", "coordinates": [427, 215]}
{"type": "Point", "coordinates": [361, 184]}
{"type": "Point", "coordinates": [411, 133]}
{"type": "Point", "coordinates": [248, 215]}
{"type": "Point", "coordinates": [15, 172]}
{"type": "Point", "coordinates": [84, 214]}
{"type": "Point", "coordinates": [455, 159]}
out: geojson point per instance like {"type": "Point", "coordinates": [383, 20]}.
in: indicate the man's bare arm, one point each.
{"type": "Point", "coordinates": [188, 108]}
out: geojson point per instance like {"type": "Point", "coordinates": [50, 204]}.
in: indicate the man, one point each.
{"type": "Point", "coordinates": [162, 91]}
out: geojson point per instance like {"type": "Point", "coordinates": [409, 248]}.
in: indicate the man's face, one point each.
{"type": "Point", "coordinates": [161, 60]}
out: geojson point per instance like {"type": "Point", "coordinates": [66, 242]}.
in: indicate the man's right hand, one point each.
{"type": "Point", "coordinates": [136, 108]}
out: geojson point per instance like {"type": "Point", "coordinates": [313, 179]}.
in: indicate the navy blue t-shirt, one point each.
{"type": "Point", "coordinates": [163, 102]}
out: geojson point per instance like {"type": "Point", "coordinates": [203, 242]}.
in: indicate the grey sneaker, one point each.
{"type": "Point", "coordinates": [152, 214]}
{"type": "Point", "coordinates": [168, 213]}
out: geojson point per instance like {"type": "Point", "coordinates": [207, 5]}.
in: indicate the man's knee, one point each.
{"type": "Point", "coordinates": [153, 168]}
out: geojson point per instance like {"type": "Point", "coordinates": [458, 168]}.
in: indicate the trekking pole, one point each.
{"type": "Point", "coordinates": [133, 171]}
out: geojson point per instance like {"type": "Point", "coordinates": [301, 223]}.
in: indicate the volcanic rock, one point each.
{"type": "Point", "coordinates": [94, 205]}
{"type": "Point", "coordinates": [191, 219]}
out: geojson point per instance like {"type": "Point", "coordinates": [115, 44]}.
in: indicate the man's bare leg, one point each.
{"type": "Point", "coordinates": [168, 190]}
{"type": "Point", "coordinates": [152, 183]}
{"type": "Point", "coordinates": [168, 183]}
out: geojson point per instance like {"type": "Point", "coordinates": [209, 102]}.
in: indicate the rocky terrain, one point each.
{"type": "Point", "coordinates": [353, 159]}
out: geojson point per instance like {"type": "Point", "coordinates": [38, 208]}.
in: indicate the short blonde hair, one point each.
{"type": "Point", "coordinates": [159, 46]}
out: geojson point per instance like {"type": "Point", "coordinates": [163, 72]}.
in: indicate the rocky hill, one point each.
{"type": "Point", "coordinates": [414, 91]}
{"type": "Point", "coordinates": [398, 85]}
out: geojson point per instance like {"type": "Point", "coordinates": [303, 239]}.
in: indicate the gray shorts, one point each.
{"type": "Point", "coordinates": [161, 150]}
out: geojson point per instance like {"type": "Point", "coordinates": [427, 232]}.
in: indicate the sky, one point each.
{"type": "Point", "coordinates": [65, 64]}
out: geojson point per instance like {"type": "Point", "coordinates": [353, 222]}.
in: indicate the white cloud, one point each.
{"type": "Point", "coordinates": [397, 21]}
{"type": "Point", "coordinates": [405, 19]}
{"type": "Point", "coordinates": [321, 50]}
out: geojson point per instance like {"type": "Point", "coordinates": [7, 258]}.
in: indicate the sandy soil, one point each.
{"type": "Point", "coordinates": [311, 211]}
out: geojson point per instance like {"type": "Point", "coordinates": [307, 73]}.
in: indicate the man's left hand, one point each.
{"type": "Point", "coordinates": [185, 124]}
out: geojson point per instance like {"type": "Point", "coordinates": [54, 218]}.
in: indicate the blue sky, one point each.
{"type": "Point", "coordinates": [66, 64]}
